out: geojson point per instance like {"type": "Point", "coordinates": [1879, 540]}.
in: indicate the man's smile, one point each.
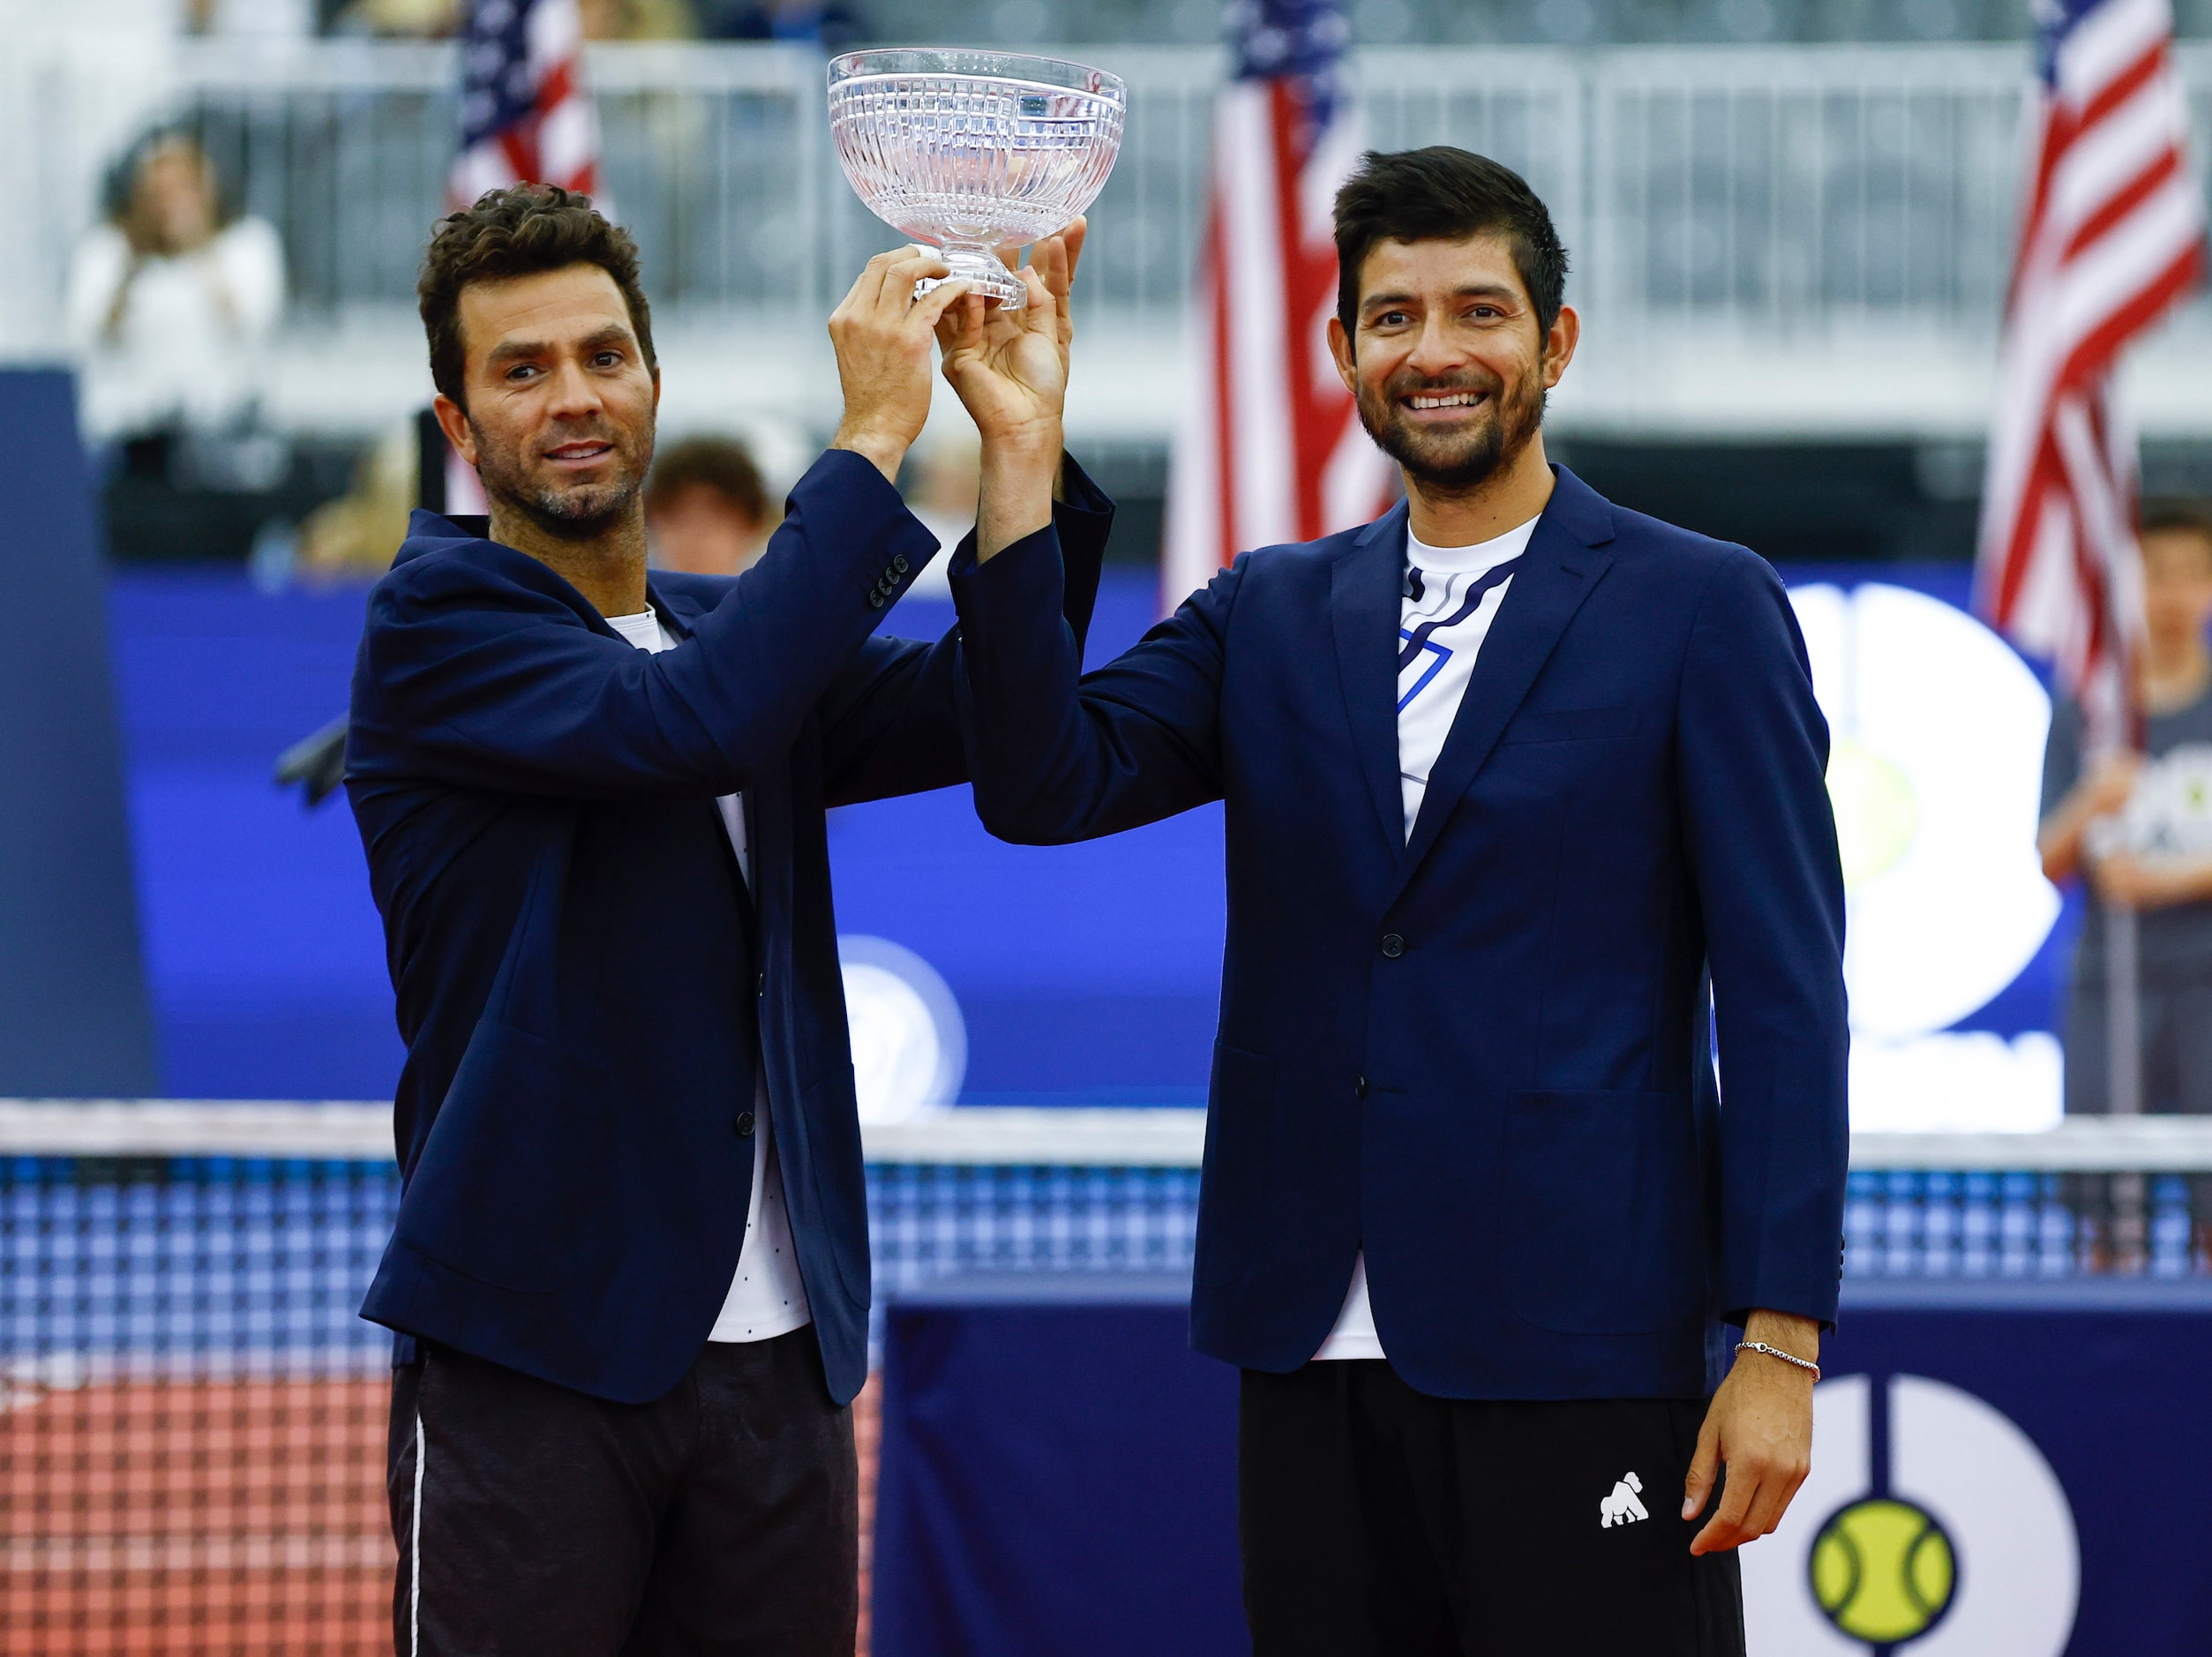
{"type": "Point", "coordinates": [1441, 407]}
{"type": "Point", "coordinates": [579, 453]}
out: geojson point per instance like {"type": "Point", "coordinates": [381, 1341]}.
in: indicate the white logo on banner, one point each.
{"type": "Point", "coordinates": [1970, 1553]}
{"type": "Point", "coordinates": [910, 1044]}
{"type": "Point", "coordinates": [1935, 770]}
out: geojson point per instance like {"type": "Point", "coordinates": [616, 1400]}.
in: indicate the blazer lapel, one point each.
{"type": "Point", "coordinates": [1562, 564]}
{"type": "Point", "coordinates": [1366, 586]}
{"type": "Point", "coordinates": [680, 611]}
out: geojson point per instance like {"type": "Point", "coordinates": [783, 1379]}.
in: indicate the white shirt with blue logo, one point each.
{"type": "Point", "coordinates": [1452, 596]}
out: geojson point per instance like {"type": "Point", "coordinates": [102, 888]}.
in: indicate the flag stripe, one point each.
{"type": "Point", "coordinates": [2111, 236]}
{"type": "Point", "coordinates": [1272, 448]}
{"type": "Point", "coordinates": [528, 117]}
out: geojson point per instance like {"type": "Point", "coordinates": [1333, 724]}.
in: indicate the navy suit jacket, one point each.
{"type": "Point", "coordinates": [587, 988]}
{"type": "Point", "coordinates": [1473, 1054]}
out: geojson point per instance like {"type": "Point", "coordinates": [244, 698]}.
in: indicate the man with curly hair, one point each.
{"type": "Point", "coordinates": [630, 1273]}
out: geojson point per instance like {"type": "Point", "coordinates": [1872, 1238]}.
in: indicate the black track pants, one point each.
{"type": "Point", "coordinates": [534, 1521]}
{"type": "Point", "coordinates": [1379, 1522]}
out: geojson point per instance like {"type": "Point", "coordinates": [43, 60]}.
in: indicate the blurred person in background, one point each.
{"type": "Point", "coordinates": [827, 25]}
{"type": "Point", "coordinates": [354, 536]}
{"type": "Point", "coordinates": [943, 479]}
{"type": "Point", "coordinates": [706, 512]}
{"type": "Point", "coordinates": [169, 301]}
{"type": "Point", "coordinates": [2158, 859]}
{"type": "Point", "coordinates": [638, 20]}
{"type": "Point", "coordinates": [398, 20]}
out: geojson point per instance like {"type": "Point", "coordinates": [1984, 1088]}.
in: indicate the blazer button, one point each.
{"type": "Point", "coordinates": [899, 563]}
{"type": "Point", "coordinates": [743, 1124]}
{"type": "Point", "coordinates": [1393, 946]}
{"type": "Point", "coordinates": [1359, 1087]}
{"type": "Point", "coordinates": [876, 599]}
{"type": "Point", "coordinates": [760, 985]}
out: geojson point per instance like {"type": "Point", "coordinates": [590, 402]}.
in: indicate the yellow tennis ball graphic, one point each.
{"type": "Point", "coordinates": [1883, 1571]}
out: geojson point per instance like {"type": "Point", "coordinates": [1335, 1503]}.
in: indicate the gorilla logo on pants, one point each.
{"type": "Point", "coordinates": [1948, 1535]}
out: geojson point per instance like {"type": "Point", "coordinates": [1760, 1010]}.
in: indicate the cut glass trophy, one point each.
{"type": "Point", "coordinates": [970, 152]}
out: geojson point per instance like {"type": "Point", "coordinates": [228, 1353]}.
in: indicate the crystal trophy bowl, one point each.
{"type": "Point", "coordinates": [970, 152]}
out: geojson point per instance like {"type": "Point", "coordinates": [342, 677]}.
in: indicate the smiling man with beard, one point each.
{"type": "Point", "coordinates": [1523, 790]}
{"type": "Point", "coordinates": [630, 1271]}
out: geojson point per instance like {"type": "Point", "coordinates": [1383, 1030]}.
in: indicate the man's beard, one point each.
{"type": "Point", "coordinates": [575, 512]}
{"type": "Point", "coordinates": [1454, 462]}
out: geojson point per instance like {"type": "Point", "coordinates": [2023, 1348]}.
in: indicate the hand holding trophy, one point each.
{"type": "Point", "coordinates": [973, 153]}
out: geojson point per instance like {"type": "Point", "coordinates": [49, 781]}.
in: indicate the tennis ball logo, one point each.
{"type": "Point", "coordinates": [1883, 1570]}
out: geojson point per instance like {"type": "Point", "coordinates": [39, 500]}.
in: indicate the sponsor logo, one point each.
{"type": "Point", "coordinates": [1883, 1571]}
{"type": "Point", "coordinates": [1930, 1526]}
{"type": "Point", "coordinates": [1624, 1505]}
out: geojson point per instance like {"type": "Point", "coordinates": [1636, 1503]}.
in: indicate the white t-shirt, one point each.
{"type": "Point", "coordinates": [1452, 596]}
{"type": "Point", "coordinates": [187, 345]}
{"type": "Point", "coordinates": [767, 1297]}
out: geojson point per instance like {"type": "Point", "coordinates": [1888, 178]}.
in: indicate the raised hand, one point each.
{"type": "Point", "coordinates": [1009, 366]}
{"type": "Point", "coordinates": [881, 333]}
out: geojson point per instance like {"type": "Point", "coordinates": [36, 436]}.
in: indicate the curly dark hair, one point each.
{"type": "Point", "coordinates": [519, 231]}
{"type": "Point", "coordinates": [1446, 194]}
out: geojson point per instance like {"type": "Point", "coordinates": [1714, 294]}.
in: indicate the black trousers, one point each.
{"type": "Point", "coordinates": [534, 1521]}
{"type": "Point", "coordinates": [1379, 1522]}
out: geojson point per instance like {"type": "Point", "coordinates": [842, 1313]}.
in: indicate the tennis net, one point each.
{"type": "Point", "coordinates": [192, 1415]}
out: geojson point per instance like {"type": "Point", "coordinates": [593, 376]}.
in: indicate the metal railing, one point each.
{"type": "Point", "coordinates": [1780, 188]}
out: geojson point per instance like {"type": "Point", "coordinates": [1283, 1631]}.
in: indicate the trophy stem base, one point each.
{"type": "Point", "coordinates": [972, 262]}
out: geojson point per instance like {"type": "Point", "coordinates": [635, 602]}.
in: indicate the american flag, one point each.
{"type": "Point", "coordinates": [2113, 232]}
{"type": "Point", "coordinates": [525, 117]}
{"type": "Point", "coordinates": [1270, 448]}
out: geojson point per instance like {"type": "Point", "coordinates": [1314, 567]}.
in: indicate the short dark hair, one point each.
{"type": "Point", "coordinates": [523, 230]}
{"type": "Point", "coordinates": [2186, 517]}
{"type": "Point", "coordinates": [1446, 194]}
{"type": "Point", "coordinates": [721, 464]}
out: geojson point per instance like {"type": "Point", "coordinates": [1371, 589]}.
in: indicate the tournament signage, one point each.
{"type": "Point", "coordinates": [1935, 774]}
{"type": "Point", "coordinates": [1999, 1469]}
{"type": "Point", "coordinates": [1931, 1523]}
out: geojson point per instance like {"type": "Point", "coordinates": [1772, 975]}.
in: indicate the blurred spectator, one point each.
{"type": "Point", "coordinates": [943, 479]}
{"type": "Point", "coordinates": [169, 299]}
{"type": "Point", "coordinates": [705, 509]}
{"type": "Point", "coordinates": [2140, 827]}
{"type": "Point", "coordinates": [828, 23]}
{"type": "Point", "coordinates": [398, 20]}
{"type": "Point", "coordinates": [639, 20]}
{"type": "Point", "coordinates": [252, 19]}
{"type": "Point", "coordinates": [354, 536]}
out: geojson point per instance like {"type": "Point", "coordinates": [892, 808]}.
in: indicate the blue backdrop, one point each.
{"type": "Point", "coordinates": [1059, 1479]}
{"type": "Point", "coordinates": [1086, 974]}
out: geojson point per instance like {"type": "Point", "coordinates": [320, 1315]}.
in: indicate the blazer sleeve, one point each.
{"type": "Point", "coordinates": [482, 677]}
{"type": "Point", "coordinates": [1058, 755]}
{"type": "Point", "coordinates": [890, 721]}
{"type": "Point", "coordinates": [1752, 752]}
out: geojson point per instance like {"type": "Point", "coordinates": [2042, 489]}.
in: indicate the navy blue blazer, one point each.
{"type": "Point", "coordinates": [586, 985]}
{"type": "Point", "coordinates": [1472, 1054]}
